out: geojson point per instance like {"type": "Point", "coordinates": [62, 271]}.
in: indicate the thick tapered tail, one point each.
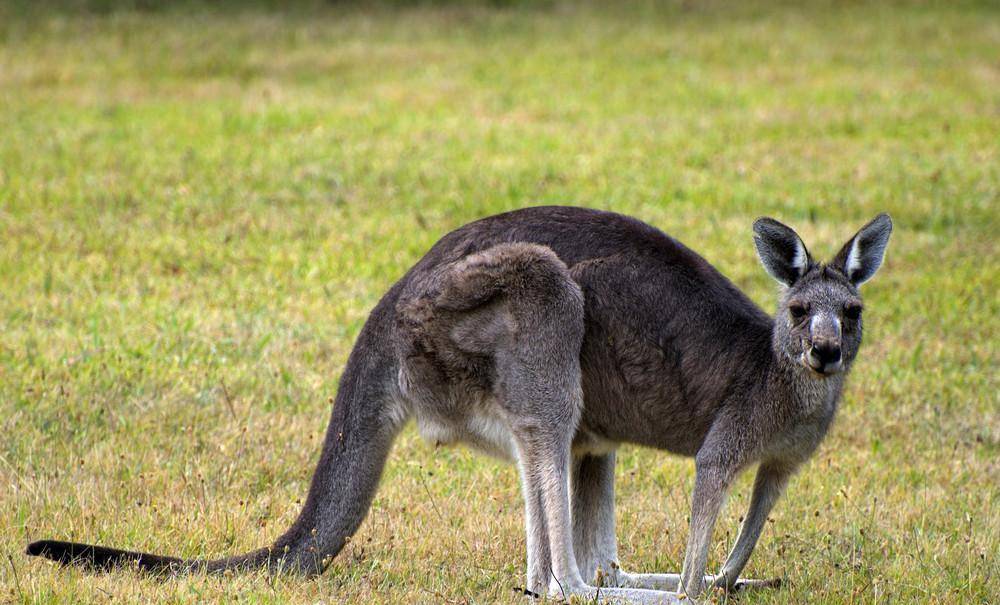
{"type": "Point", "coordinates": [357, 443]}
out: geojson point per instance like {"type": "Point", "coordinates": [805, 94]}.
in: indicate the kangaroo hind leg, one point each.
{"type": "Point", "coordinates": [593, 502]}
{"type": "Point", "coordinates": [593, 489]}
{"type": "Point", "coordinates": [535, 363]}
{"type": "Point", "coordinates": [542, 424]}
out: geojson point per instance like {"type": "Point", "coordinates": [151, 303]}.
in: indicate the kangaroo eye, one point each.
{"type": "Point", "coordinates": [852, 311]}
{"type": "Point", "coordinates": [798, 310]}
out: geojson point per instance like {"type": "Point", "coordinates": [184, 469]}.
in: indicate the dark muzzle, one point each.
{"type": "Point", "coordinates": [824, 356]}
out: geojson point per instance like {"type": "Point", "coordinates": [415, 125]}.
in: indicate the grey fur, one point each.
{"type": "Point", "coordinates": [549, 336]}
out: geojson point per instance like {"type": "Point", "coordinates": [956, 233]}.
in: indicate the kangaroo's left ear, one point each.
{"type": "Point", "coordinates": [862, 255]}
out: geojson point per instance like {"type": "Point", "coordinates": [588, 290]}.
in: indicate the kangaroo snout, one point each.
{"type": "Point", "coordinates": [824, 356]}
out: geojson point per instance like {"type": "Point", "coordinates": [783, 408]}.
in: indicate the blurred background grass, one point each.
{"type": "Point", "coordinates": [200, 203]}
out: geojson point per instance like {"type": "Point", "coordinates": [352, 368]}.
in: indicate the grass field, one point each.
{"type": "Point", "coordinates": [199, 206]}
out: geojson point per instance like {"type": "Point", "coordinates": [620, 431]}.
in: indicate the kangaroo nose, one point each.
{"type": "Point", "coordinates": [825, 353]}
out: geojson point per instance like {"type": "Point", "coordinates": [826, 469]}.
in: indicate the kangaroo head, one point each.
{"type": "Point", "coordinates": [818, 323]}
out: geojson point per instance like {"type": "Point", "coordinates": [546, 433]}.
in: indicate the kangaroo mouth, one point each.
{"type": "Point", "coordinates": [819, 368]}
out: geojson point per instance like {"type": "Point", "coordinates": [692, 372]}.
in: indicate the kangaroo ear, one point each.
{"type": "Point", "coordinates": [862, 255]}
{"type": "Point", "coordinates": [780, 250]}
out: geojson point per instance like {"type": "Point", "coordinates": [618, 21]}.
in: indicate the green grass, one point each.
{"type": "Point", "coordinates": [199, 206]}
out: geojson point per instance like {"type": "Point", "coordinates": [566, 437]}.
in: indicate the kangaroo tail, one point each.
{"type": "Point", "coordinates": [98, 557]}
{"type": "Point", "coordinates": [358, 438]}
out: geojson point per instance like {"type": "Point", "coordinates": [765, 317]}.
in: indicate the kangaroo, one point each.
{"type": "Point", "coordinates": [551, 335]}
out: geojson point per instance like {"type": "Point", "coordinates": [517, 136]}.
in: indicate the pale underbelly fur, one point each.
{"type": "Point", "coordinates": [484, 428]}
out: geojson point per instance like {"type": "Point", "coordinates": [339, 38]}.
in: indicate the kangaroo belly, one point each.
{"type": "Point", "coordinates": [481, 430]}
{"type": "Point", "coordinates": [481, 426]}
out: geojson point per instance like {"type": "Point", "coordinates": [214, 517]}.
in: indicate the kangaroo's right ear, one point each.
{"type": "Point", "coordinates": [780, 250]}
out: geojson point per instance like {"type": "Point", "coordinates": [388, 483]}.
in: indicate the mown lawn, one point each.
{"type": "Point", "coordinates": [199, 206]}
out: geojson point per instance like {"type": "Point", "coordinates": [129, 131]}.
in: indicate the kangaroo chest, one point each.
{"type": "Point", "coordinates": [814, 407]}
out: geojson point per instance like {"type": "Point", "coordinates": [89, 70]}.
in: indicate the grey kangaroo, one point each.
{"type": "Point", "coordinates": [549, 336]}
